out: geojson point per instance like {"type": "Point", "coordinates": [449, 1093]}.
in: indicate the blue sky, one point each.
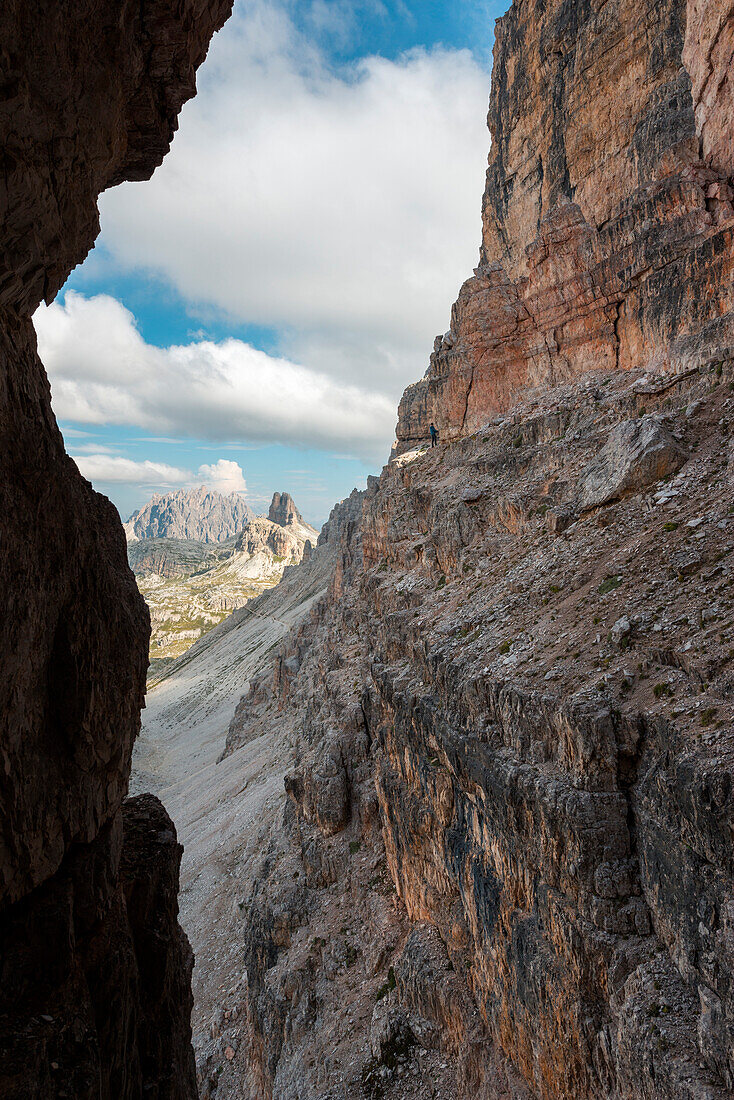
{"type": "Point", "coordinates": [249, 318]}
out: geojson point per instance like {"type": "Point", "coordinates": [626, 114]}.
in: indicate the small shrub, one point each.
{"type": "Point", "coordinates": [670, 527]}
{"type": "Point", "coordinates": [707, 716]}
{"type": "Point", "coordinates": [505, 647]}
{"type": "Point", "coordinates": [354, 846]}
{"type": "Point", "coordinates": [661, 690]}
{"type": "Point", "coordinates": [352, 954]}
{"type": "Point", "coordinates": [609, 585]}
{"type": "Point", "coordinates": [554, 588]}
{"type": "Point", "coordinates": [388, 986]}
{"type": "Point", "coordinates": [441, 581]}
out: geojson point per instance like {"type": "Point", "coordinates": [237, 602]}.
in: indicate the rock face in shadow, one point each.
{"type": "Point", "coordinates": [96, 991]}
{"type": "Point", "coordinates": [607, 218]}
{"type": "Point", "coordinates": [91, 92]}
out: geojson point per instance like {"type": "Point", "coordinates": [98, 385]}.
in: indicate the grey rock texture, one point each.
{"type": "Point", "coordinates": [199, 515]}
{"type": "Point", "coordinates": [505, 869]}
{"type": "Point", "coordinates": [170, 557]}
{"type": "Point", "coordinates": [283, 510]}
{"type": "Point", "coordinates": [636, 454]}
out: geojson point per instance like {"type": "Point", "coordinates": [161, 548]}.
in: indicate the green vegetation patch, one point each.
{"type": "Point", "coordinates": [388, 986]}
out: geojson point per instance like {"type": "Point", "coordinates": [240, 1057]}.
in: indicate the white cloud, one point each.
{"type": "Point", "coordinates": [340, 207]}
{"type": "Point", "coordinates": [104, 468]}
{"type": "Point", "coordinates": [225, 476]}
{"type": "Point", "coordinates": [103, 372]}
{"type": "Point", "coordinates": [109, 469]}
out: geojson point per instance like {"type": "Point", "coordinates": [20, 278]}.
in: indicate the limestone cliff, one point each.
{"type": "Point", "coordinates": [607, 218]}
{"type": "Point", "coordinates": [505, 867]}
{"type": "Point", "coordinates": [90, 95]}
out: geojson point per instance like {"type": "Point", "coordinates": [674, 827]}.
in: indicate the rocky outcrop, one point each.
{"type": "Point", "coordinates": [283, 510]}
{"type": "Point", "coordinates": [284, 540]}
{"type": "Point", "coordinates": [90, 97]}
{"type": "Point", "coordinates": [506, 849]}
{"type": "Point", "coordinates": [505, 866]}
{"type": "Point", "coordinates": [636, 454]}
{"type": "Point", "coordinates": [198, 515]}
{"type": "Point", "coordinates": [608, 221]}
{"type": "Point", "coordinates": [190, 586]}
{"type": "Point", "coordinates": [169, 557]}
{"type": "Point", "coordinates": [96, 991]}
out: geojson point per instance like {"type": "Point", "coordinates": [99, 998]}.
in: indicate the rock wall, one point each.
{"type": "Point", "coordinates": [508, 847]}
{"type": "Point", "coordinates": [607, 217]}
{"type": "Point", "coordinates": [90, 95]}
{"type": "Point", "coordinates": [505, 871]}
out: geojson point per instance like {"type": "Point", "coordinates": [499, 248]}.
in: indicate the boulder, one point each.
{"type": "Point", "coordinates": [637, 454]}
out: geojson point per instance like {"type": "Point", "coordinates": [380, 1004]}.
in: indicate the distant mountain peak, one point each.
{"type": "Point", "coordinates": [201, 514]}
{"type": "Point", "coordinates": [283, 510]}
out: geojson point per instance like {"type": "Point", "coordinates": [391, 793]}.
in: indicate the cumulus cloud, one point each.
{"type": "Point", "coordinates": [225, 476]}
{"type": "Point", "coordinates": [103, 372]}
{"type": "Point", "coordinates": [338, 205]}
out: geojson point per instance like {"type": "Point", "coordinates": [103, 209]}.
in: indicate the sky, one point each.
{"type": "Point", "coordinates": [250, 317]}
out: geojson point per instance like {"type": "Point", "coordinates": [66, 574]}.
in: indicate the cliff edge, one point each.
{"type": "Point", "coordinates": [607, 210]}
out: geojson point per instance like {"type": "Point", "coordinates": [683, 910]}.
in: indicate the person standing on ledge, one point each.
{"type": "Point", "coordinates": [434, 434]}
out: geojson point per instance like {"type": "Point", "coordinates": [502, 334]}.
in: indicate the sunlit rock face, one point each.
{"type": "Point", "coordinates": [505, 870]}
{"type": "Point", "coordinates": [91, 92]}
{"type": "Point", "coordinates": [199, 515]}
{"type": "Point", "coordinates": [607, 218]}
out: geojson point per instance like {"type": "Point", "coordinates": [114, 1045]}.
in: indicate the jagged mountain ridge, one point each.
{"type": "Point", "coordinates": [199, 515]}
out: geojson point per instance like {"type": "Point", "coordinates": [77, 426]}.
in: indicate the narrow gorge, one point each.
{"type": "Point", "coordinates": [455, 796]}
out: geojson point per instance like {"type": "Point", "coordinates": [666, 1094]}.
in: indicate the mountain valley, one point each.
{"type": "Point", "coordinates": [476, 836]}
{"type": "Point", "coordinates": [191, 585]}
{"type": "Point", "coordinates": [441, 797]}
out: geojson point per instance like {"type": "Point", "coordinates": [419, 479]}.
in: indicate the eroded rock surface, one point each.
{"type": "Point", "coordinates": [91, 92]}
{"type": "Point", "coordinates": [201, 515]}
{"type": "Point", "coordinates": [636, 454]}
{"type": "Point", "coordinates": [608, 217]}
{"type": "Point", "coordinates": [505, 868]}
